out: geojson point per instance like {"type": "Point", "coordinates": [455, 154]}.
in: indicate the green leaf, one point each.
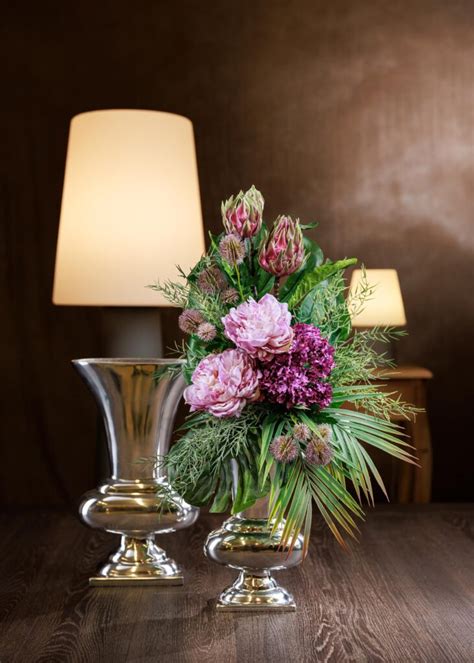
{"type": "Point", "coordinates": [314, 258]}
{"type": "Point", "coordinates": [312, 279]}
{"type": "Point", "coordinates": [223, 494]}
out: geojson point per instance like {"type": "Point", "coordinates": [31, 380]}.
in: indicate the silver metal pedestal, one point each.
{"type": "Point", "coordinates": [136, 502]}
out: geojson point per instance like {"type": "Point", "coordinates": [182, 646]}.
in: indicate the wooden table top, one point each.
{"type": "Point", "coordinates": [403, 594]}
{"type": "Point", "coordinates": [404, 372]}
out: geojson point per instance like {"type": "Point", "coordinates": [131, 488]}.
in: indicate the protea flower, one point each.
{"type": "Point", "coordinates": [242, 214]}
{"type": "Point", "coordinates": [282, 253]}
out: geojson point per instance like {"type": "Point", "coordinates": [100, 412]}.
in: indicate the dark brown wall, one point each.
{"type": "Point", "coordinates": [358, 114]}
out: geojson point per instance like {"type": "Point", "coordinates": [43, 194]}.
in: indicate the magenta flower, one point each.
{"type": "Point", "coordinates": [262, 329]}
{"type": "Point", "coordinates": [242, 214]}
{"type": "Point", "coordinates": [223, 383]}
{"type": "Point", "coordinates": [298, 377]}
{"type": "Point", "coordinates": [282, 253]}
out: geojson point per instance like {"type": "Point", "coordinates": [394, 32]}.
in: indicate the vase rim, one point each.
{"type": "Point", "coordinates": [127, 361]}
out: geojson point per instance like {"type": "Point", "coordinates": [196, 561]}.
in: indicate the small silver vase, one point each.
{"type": "Point", "coordinates": [136, 501]}
{"type": "Point", "coordinates": [245, 542]}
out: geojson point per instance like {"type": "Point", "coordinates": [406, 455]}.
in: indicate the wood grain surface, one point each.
{"type": "Point", "coordinates": [403, 594]}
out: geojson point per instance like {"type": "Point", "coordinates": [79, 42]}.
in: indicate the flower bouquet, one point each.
{"type": "Point", "coordinates": [281, 389]}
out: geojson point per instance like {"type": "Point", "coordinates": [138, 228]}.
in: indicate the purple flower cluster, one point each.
{"type": "Point", "coordinates": [298, 377]}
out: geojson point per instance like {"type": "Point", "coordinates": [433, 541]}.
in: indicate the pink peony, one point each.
{"type": "Point", "coordinates": [223, 383]}
{"type": "Point", "coordinates": [262, 329]}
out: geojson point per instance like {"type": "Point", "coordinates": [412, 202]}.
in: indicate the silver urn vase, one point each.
{"type": "Point", "coordinates": [245, 542]}
{"type": "Point", "coordinates": [136, 502]}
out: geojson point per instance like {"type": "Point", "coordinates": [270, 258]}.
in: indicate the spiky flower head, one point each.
{"type": "Point", "coordinates": [242, 214]}
{"type": "Point", "coordinates": [325, 433]}
{"type": "Point", "coordinates": [206, 331]}
{"type": "Point", "coordinates": [211, 280]}
{"type": "Point", "coordinates": [282, 253]}
{"type": "Point", "coordinates": [284, 449]}
{"type": "Point", "coordinates": [230, 296]}
{"type": "Point", "coordinates": [189, 320]}
{"type": "Point", "coordinates": [319, 450]}
{"type": "Point", "coordinates": [232, 249]}
{"type": "Point", "coordinates": [302, 432]}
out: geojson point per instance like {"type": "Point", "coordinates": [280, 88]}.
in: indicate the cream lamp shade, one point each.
{"type": "Point", "coordinates": [385, 307]}
{"type": "Point", "coordinates": [130, 210]}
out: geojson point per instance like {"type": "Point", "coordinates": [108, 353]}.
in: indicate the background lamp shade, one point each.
{"type": "Point", "coordinates": [131, 208]}
{"type": "Point", "coordinates": [385, 307]}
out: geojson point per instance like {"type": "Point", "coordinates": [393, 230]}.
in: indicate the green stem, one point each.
{"type": "Point", "coordinates": [276, 287]}
{"type": "Point", "coordinates": [249, 247]}
{"type": "Point", "coordinates": [239, 283]}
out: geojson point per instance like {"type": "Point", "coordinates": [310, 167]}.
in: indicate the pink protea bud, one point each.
{"type": "Point", "coordinates": [282, 253]}
{"type": "Point", "coordinates": [242, 214]}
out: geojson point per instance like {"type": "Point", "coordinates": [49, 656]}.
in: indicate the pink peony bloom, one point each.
{"type": "Point", "coordinates": [262, 329]}
{"type": "Point", "coordinates": [223, 383]}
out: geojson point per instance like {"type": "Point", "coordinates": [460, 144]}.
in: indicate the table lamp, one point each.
{"type": "Point", "coordinates": [385, 306]}
{"type": "Point", "coordinates": [130, 213]}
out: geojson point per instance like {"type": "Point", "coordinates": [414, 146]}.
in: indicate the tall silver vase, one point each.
{"type": "Point", "coordinates": [245, 542]}
{"type": "Point", "coordinates": [136, 501]}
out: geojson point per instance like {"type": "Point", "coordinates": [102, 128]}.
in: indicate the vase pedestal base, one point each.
{"type": "Point", "coordinates": [138, 562]}
{"type": "Point", "coordinates": [255, 592]}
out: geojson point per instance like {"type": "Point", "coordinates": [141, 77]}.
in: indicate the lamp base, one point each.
{"type": "Point", "coordinates": [138, 562]}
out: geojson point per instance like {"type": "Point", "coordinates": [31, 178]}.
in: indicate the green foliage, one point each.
{"type": "Point", "coordinates": [175, 293]}
{"type": "Point", "coordinates": [313, 258]}
{"type": "Point", "coordinates": [198, 464]}
{"type": "Point", "coordinates": [311, 279]}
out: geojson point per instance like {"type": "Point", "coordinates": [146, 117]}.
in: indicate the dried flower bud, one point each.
{"type": "Point", "coordinates": [319, 450]}
{"type": "Point", "coordinates": [211, 280]}
{"type": "Point", "coordinates": [189, 320]}
{"type": "Point", "coordinates": [206, 331]}
{"type": "Point", "coordinates": [242, 214]}
{"type": "Point", "coordinates": [284, 449]}
{"type": "Point", "coordinates": [232, 249]}
{"type": "Point", "coordinates": [302, 432]}
{"type": "Point", "coordinates": [282, 253]}
{"type": "Point", "coordinates": [230, 296]}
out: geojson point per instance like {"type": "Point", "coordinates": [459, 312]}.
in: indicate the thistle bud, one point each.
{"type": "Point", "coordinates": [242, 214]}
{"type": "Point", "coordinates": [282, 253]}
{"type": "Point", "coordinates": [319, 450]}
